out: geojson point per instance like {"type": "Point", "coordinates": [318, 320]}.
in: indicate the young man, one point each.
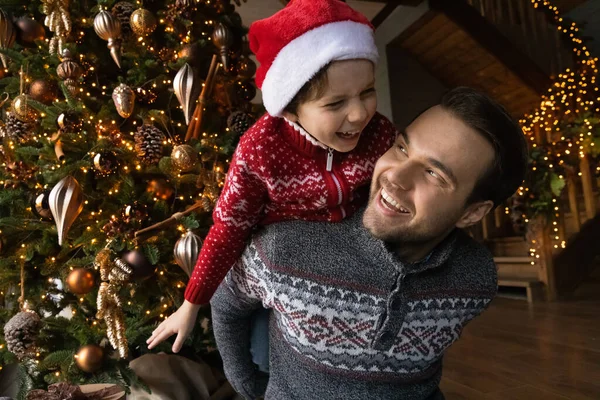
{"type": "Point", "coordinates": [365, 308]}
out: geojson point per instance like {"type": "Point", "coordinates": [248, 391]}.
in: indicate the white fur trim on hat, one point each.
{"type": "Point", "coordinates": [304, 56]}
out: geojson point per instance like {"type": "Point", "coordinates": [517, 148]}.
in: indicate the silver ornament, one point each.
{"type": "Point", "coordinates": [187, 90]}
{"type": "Point", "coordinates": [124, 98]}
{"type": "Point", "coordinates": [108, 27]}
{"type": "Point", "coordinates": [187, 250]}
{"type": "Point", "coordinates": [66, 202]}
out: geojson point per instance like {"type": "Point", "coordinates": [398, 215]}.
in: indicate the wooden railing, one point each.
{"type": "Point", "coordinates": [529, 30]}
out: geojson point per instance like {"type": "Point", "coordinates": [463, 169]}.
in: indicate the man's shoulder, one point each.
{"type": "Point", "coordinates": [472, 264]}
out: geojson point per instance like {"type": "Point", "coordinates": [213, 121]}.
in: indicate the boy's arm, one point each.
{"type": "Point", "coordinates": [231, 317]}
{"type": "Point", "coordinates": [238, 210]}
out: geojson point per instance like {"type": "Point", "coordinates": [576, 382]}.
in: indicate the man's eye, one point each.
{"type": "Point", "coordinates": [402, 149]}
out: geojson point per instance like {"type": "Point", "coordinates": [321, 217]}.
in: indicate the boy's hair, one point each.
{"type": "Point", "coordinates": [311, 90]}
{"type": "Point", "coordinates": [507, 171]}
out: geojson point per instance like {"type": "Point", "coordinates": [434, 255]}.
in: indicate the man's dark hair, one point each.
{"type": "Point", "coordinates": [507, 171]}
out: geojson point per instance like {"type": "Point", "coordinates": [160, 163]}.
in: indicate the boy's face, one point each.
{"type": "Point", "coordinates": [338, 117]}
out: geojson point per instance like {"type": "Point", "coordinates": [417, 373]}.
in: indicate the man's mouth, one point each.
{"type": "Point", "coordinates": [390, 203]}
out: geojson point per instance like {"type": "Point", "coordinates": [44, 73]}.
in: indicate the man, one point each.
{"type": "Point", "coordinates": [365, 308]}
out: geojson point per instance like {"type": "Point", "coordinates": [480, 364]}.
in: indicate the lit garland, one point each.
{"type": "Point", "coordinates": [561, 130]}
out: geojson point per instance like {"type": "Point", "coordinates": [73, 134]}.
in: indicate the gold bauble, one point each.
{"type": "Point", "coordinates": [184, 157]}
{"type": "Point", "coordinates": [43, 91]}
{"type": "Point", "coordinates": [142, 22]}
{"type": "Point", "coordinates": [90, 358]}
{"type": "Point", "coordinates": [80, 281]}
{"type": "Point", "coordinates": [22, 110]}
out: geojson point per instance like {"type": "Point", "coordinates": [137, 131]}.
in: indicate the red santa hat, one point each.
{"type": "Point", "coordinates": [296, 42]}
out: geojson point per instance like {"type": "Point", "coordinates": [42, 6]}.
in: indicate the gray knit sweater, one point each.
{"type": "Point", "coordinates": [349, 320]}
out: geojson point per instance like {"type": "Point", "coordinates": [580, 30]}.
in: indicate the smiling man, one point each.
{"type": "Point", "coordinates": [365, 308]}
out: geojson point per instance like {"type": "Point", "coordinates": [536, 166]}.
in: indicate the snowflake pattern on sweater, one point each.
{"type": "Point", "coordinates": [278, 173]}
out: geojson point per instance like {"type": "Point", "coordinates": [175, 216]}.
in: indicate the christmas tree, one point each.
{"type": "Point", "coordinates": [119, 120]}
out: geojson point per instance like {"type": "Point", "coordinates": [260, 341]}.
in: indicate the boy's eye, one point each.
{"type": "Point", "coordinates": [335, 104]}
{"type": "Point", "coordinates": [368, 91]}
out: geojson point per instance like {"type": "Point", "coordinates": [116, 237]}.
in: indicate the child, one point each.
{"type": "Point", "coordinates": [313, 152]}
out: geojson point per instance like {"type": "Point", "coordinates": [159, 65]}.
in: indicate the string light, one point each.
{"type": "Point", "coordinates": [573, 94]}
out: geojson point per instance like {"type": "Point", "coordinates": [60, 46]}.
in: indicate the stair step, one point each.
{"type": "Point", "coordinates": [534, 289]}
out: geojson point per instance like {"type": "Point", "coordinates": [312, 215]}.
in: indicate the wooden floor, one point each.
{"type": "Point", "coordinates": [515, 351]}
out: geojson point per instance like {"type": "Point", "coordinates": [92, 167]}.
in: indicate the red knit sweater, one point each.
{"type": "Point", "coordinates": [279, 172]}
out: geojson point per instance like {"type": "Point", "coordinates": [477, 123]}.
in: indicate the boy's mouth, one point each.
{"type": "Point", "coordinates": [348, 135]}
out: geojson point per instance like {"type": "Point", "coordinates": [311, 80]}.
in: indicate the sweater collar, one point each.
{"type": "Point", "coordinates": [438, 256]}
{"type": "Point", "coordinates": [302, 140]}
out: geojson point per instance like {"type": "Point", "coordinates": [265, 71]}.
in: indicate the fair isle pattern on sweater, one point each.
{"type": "Point", "coordinates": [335, 327]}
{"type": "Point", "coordinates": [278, 174]}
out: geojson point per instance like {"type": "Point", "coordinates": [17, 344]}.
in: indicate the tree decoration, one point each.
{"type": "Point", "coordinates": [114, 275]}
{"type": "Point", "coordinates": [58, 20]}
{"type": "Point", "coordinates": [43, 91]}
{"type": "Point", "coordinates": [8, 35]}
{"type": "Point", "coordinates": [90, 358]}
{"type": "Point", "coordinates": [106, 163]}
{"type": "Point", "coordinates": [149, 143]}
{"type": "Point", "coordinates": [29, 31]}
{"type": "Point", "coordinates": [41, 206]}
{"type": "Point", "coordinates": [186, 251]}
{"type": "Point", "coordinates": [246, 68]}
{"type": "Point", "coordinates": [66, 202]}
{"type": "Point", "coordinates": [69, 72]}
{"type": "Point", "coordinates": [16, 129]}
{"type": "Point", "coordinates": [109, 28]}
{"type": "Point", "coordinates": [239, 122]}
{"type": "Point", "coordinates": [22, 109]}
{"type": "Point", "coordinates": [124, 99]}
{"type": "Point", "coordinates": [223, 39]}
{"type": "Point", "coordinates": [69, 122]}
{"type": "Point", "coordinates": [142, 22]}
{"type": "Point", "coordinates": [186, 90]}
{"type": "Point", "coordinates": [184, 157]}
{"type": "Point", "coordinates": [80, 281]}
{"type": "Point", "coordinates": [20, 333]}
{"type": "Point", "coordinates": [122, 11]}
{"type": "Point", "coordinates": [140, 266]}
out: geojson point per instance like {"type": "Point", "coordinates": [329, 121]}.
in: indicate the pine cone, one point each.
{"type": "Point", "coordinates": [20, 332]}
{"type": "Point", "coordinates": [149, 143]}
{"type": "Point", "coordinates": [17, 130]}
{"type": "Point", "coordinates": [122, 11]}
{"type": "Point", "coordinates": [239, 122]}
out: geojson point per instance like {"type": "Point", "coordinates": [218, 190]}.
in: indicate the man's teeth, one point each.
{"type": "Point", "coordinates": [349, 133]}
{"type": "Point", "coordinates": [390, 201]}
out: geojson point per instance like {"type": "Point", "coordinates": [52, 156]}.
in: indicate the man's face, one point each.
{"type": "Point", "coordinates": [421, 185]}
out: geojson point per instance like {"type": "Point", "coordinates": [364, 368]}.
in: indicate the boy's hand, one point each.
{"type": "Point", "coordinates": [181, 322]}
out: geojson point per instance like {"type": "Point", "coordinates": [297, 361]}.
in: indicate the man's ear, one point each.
{"type": "Point", "coordinates": [474, 213]}
{"type": "Point", "coordinates": [289, 116]}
